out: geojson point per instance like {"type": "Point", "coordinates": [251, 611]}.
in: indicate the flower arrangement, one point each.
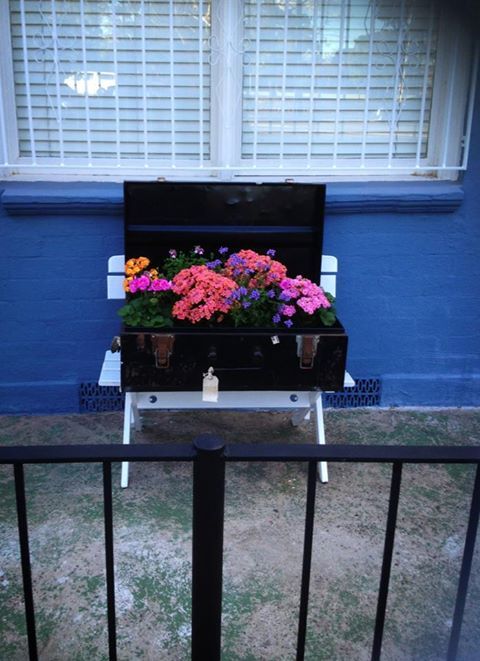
{"type": "Point", "coordinates": [241, 289]}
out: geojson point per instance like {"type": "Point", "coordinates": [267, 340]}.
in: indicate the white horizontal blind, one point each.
{"type": "Point", "coordinates": [235, 87]}
{"type": "Point", "coordinates": [332, 82]}
{"type": "Point", "coordinates": [112, 82]}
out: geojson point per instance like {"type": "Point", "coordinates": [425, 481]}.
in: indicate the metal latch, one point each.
{"type": "Point", "coordinates": [307, 350]}
{"type": "Point", "coordinates": [162, 346]}
{"type": "Point", "coordinates": [116, 344]}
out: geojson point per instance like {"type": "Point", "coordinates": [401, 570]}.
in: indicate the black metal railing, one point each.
{"type": "Point", "coordinates": [209, 455]}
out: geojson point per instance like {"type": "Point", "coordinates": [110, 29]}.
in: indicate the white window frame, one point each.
{"type": "Point", "coordinates": [450, 82]}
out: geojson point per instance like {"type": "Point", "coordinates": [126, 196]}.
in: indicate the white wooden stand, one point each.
{"type": "Point", "coordinates": [301, 403]}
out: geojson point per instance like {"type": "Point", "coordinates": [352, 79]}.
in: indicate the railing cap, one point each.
{"type": "Point", "coordinates": [209, 443]}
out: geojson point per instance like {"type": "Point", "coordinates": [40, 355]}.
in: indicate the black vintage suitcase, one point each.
{"type": "Point", "coordinates": [160, 216]}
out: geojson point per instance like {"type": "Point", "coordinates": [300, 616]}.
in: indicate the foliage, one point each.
{"type": "Point", "coordinates": [243, 289]}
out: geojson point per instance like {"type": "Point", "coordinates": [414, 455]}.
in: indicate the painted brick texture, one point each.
{"type": "Point", "coordinates": [408, 289]}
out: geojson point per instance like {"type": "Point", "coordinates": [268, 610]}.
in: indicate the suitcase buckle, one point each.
{"type": "Point", "coordinates": [162, 346]}
{"type": "Point", "coordinates": [307, 350]}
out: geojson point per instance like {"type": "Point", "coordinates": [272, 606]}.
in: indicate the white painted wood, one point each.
{"type": "Point", "coordinates": [127, 424]}
{"type": "Point", "coordinates": [316, 402]}
{"type": "Point", "coordinates": [115, 289]}
{"type": "Point", "coordinates": [329, 283]}
{"type": "Point", "coordinates": [110, 374]}
{"type": "Point", "coordinates": [329, 264]}
{"type": "Point", "coordinates": [116, 264]}
{"type": "Point", "coordinates": [251, 399]}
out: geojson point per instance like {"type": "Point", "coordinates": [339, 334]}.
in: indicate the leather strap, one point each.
{"type": "Point", "coordinates": [308, 351]}
{"type": "Point", "coordinates": [162, 346]}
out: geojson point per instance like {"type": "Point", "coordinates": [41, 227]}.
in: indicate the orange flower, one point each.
{"type": "Point", "coordinates": [135, 265]}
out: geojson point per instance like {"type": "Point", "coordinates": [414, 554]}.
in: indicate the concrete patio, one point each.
{"type": "Point", "coordinates": [263, 542]}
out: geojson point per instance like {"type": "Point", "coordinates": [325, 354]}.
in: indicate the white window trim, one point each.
{"type": "Point", "coordinates": [450, 84]}
{"type": "Point", "coordinates": [226, 109]}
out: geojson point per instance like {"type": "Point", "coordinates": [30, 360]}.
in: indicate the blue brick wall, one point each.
{"type": "Point", "coordinates": [56, 321]}
{"type": "Point", "coordinates": [408, 287]}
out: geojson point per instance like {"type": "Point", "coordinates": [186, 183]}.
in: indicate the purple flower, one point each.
{"type": "Point", "coordinates": [223, 250]}
{"type": "Point", "coordinates": [249, 271]}
{"type": "Point", "coordinates": [235, 260]}
{"type": "Point", "coordinates": [243, 291]}
{"type": "Point", "coordinates": [271, 293]}
{"type": "Point", "coordinates": [284, 296]}
{"type": "Point", "coordinates": [198, 250]}
{"type": "Point", "coordinates": [287, 310]}
{"type": "Point", "coordinates": [271, 252]}
{"type": "Point", "coordinates": [246, 304]}
{"type": "Point", "coordinates": [276, 319]}
{"type": "Point", "coordinates": [214, 264]}
{"type": "Point", "coordinates": [254, 294]}
{"type": "Point", "coordinates": [172, 253]}
{"type": "Point", "coordinates": [288, 323]}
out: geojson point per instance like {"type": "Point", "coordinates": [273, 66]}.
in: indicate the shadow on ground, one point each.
{"type": "Point", "coordinates": [265, 507]}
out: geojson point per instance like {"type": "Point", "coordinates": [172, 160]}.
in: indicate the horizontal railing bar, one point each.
{"type": "Point", "coordinates": [418, 454]}
{"type": "Point", "coordinates": [450, 454]}
{"type": "Point", "coordinates": [59, 454]}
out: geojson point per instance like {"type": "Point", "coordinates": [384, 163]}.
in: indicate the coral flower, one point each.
{"type": "Point", "coordinates": [261, 269]}
{"type": "Point", "coordinates": [204, 293]}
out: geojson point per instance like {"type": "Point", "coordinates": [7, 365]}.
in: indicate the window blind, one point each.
{"type": "Point", "coordinates": [235, 88]}
{"type": "Point", "coordinates": [117, 81]}
{"type": "Point", "coordinates": [337, 81]}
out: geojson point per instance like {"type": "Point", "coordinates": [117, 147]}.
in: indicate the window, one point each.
{"type": "Point", "coordinates": [246, 87]}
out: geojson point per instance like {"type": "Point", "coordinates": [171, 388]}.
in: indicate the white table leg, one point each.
{"type": "Point", "coordinates": [316, 399]}
{"type": "Point", "coordinates": [299, 416]}
{"type": "Point", "coordinates": [136, 419]}
{"type": "Point", "coordinates": [127, 426]}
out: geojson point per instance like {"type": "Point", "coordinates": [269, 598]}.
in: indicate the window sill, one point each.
{"type": "Point", "coordinates": [79, 198]}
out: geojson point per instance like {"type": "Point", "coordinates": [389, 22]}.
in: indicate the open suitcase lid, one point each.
{"type": "Point", "coordinates": [287, 217]}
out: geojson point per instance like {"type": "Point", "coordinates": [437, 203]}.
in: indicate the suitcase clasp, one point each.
{"type": "Point", "coordinates": [162, 346]}
{"type": "Point", "coordinates": [307, 350]}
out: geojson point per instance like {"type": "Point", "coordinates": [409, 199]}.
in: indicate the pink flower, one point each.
{"type": "Point", "coordinates": [307, 295]}
{"type": "Point", "coordinates": [139, 284]}
{"type": "Point", "coordinates": [288, 310]}
{"type": "Point", "coordinates": [160, 284]}
{"type": "Point", "coordinates": [203, 293]}
{"type": "Point", "coordinates": [143, 283]}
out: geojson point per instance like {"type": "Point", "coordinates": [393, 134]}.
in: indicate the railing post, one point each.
{"type": "Point", "coordinates": [207, 547]}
